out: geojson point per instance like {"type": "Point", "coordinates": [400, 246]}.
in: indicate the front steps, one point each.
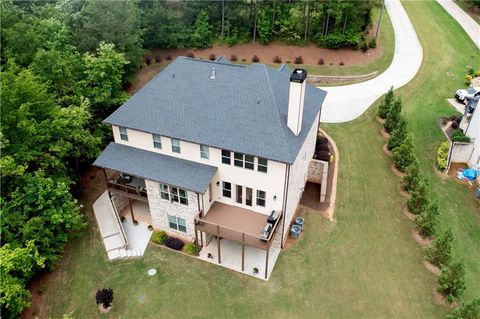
{"type": "Point", "coordinates": [123, 253]}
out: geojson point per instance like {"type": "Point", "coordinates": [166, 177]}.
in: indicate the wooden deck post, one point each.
{"type": "Point", "coordinates": [131, 209]}
{"type": "Point", "coordinates": [196, 238]}
{"type": "Point", "coordinates": [218, 241]}
{"type": "Point", "coordinates": [266, 262]}
{"type": "Point", "coordinates": [243, 251]}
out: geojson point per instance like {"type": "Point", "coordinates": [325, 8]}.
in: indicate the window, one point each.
{"type": "Point", "coordinates": [177, 223]}
{"type": "Point", "coordinates": [204, 151]}
{"type": "Point", "coordinates": [226, 157]}
{"type": "Point", "coordinates": [249, 162]}
{"type": "Point", "coordinates": [227, 189]}
{"type": "Point", "coordinates": [248, 196]}
{"type": "Point", "coordinates": [175, 145]}
{"type": "Point", "coordinates": [173, 194]}
{"type": "Point", "coordinates": [262, 165]}
{"type": "Point", "coordinates": [238, 159]}
{"type": "Point", "coordinates": [239, 192]}
{"type": "Point", "coordinates": [157, 141]}
{"type": "Point", "coordinates": [123, 134]}
{"type": "Point", "coordinates": [261, 198]}
{"type": "Point", "coordinates": [164, 192]}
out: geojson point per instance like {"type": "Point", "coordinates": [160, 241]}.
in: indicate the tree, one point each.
{"type": "Point", "coordinates": [403, 155]}
{"type": "Point", "coordinates": [202, 32]}
{"type": "Point", "coordinates": [470, 310]}
{"type": "Point", "coordinates": [440, 253]}
{"type": "Point", "coordinates": [419, 199]}
{"type": "Point", "coordinates": [398, 135]}
{"type": "Point", "coordinates": [427, 221]}
{"type": "Point", "coordinates": [43, 211]}
{"type": "Point", "coordinates": [17, 265]}
{"type": "Point", "coordinates": [412, 176]}
{"type": "Point", "coordinates": [393, 115]}
{"type": "Point", "coordinates": [264, 27]}
{"type": "Point", "coordinates": [451, 281]}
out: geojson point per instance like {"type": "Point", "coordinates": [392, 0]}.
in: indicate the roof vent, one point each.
{"type": "Point", "coordinates": [213, 74]}
{"type": "Point", "coordinates": [173, 75]}
{"type": "Point", "coordinates": [258, 101]}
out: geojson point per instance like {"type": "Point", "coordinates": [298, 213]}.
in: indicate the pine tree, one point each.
{"type": "Point", "coordinates": [440, 253]}
{"type": "Point", "coordinates": [398, 135]}
{"type": "Point", "coordinates": [420, 198]}
{"type": "Point", "coordinates": [403, 155]}
{"type": "Point", "coordinates": [386, 104]}
{"type": "Point", "coordinates": [393, 115]}
{"type": "Point", "coordinates": [411, 177]}
{"type": "Point", "coordinates": [469, 310]}
{"type": "Point", "coordinates": [427, 221]}
{"type": "Point", "coordinates": [451, 281]}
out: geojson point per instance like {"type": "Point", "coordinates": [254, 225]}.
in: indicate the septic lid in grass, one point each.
{"type": "Point", "coordinates": [141, 297]}
{"type": "Point", "coordinates": [152, 272]}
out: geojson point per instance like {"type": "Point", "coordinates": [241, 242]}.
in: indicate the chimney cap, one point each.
{"type": "Point", "coordinates": [298, 75]}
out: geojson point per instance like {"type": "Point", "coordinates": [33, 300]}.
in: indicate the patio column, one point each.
{"type": "Point", "coordinates": [131, 209]}
{"type": "Point", "coordinates": [218, 242]}
{"type": "Point", "coordinates": [266, 262]}
{"type": "Point", "coordinates": [243, 251]}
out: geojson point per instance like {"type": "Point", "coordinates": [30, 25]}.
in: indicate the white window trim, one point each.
{"type": "Point", "coordinates": [205, 153]}
{"type": "Point", "coordinates": [257, 198]}
{"type": "Point", "coordinates": [177, 229]}
{"type": "Point", "coordinates": [171, 194]}
{"type": "Point", "coordinates": [229, 157]}
{"type": "Point", "coordinates": [122, 134]}
{"type": "Point", "coordinates": [262, 165]}
{"type": "Point", "coordinates": [174, 146]}
{"type": "Point", "coordinates": [157, 142]}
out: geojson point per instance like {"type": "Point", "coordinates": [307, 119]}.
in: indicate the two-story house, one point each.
{"type": "Point", "coordinates": [215, 149]}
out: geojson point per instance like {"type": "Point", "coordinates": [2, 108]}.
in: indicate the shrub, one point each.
{"type": "Point", "coordinates": [174, 243]}
{"type": "Point", "coordinates": [372, 43]}
{"type": "Point", "coordinates": [468, 77]}
{"type": "Point", "coordinates": [398, 135]}
{"type": "Point", "coordinates": [321, 139]}
{"type": "Point", "coordinates": [255, 59]}
{"type": "Point", "coordinates": [454, 125]}
{"type": "Point", "coordinates": [411, 178]}
{"type": "Point", "coordinates": [277, 59]}
{"type": "Point", "coordinates": [364, 46]}
{"type": "Point", "coordinates": [323, 156]}
{"type": "Point", "coordinates": [159, 237]}
{"type": "Point", "coordinates": [298, 60]}
{"type": "Point", "coordinates": [403, 155]}
{"type": "Point", "coordinates": [471, 72]}
{"type": "Point", "coordinates": [233, 58]}
{"type": "Point", "coordinates": [323, 147]}
{"type": "Point", "coordinates": [190, 249]}
{"type": "Point", "coordinates": [442, 155]}
{"type": "Point", "coordinates": [458, 136]}
{"type": "Point", "coordinates": [393, 115]}
{"type": "Point", "coordinates": [158, 58]}
{"type": "Point", "coordinates": [386, 104]}
{"type": "Point", "coordinates": [288, 61]}
{"type": "Point", "coordinates": [427, 221]}
{"type": "Point", "coordinates": [469, 310]}
{"type": "Point", "coordinates": [451, 281]}
{"type": "Point", "coordinates": [150, 227]}
{"type": "Point", "coordinates": [321, 62]}
{"type": "Point", "coordinates": [168, 57]}
{"type": "Point", "coordinates": [477, 73]}
{"type": "Point", "coordinates": [148, 60]}
{"type": "Point", "coordinates": [440, 253]}
{"type": "Point", "coordinates": [338, 40]}
{"type": "Point", "coordinates": [419, 198]}
{"type": "Point", "coordinates": [244, 60]}
{"type": "Point", "coordinates": [212, 57]}
{"type": "Point", "coordinates": [104, 297]}
{"type": "Point", "coordinates": [190, 55]}
{"type": "Point", "coordinates": [341, 63]}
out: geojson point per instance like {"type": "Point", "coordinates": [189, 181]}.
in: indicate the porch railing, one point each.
{"type": "Point", "coordinates": [132, 191]}
{"type": "Point", "coordinates": [119, 222]}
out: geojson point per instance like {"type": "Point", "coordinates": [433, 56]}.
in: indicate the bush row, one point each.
{"type": "Point", "coordinates": [161, 238]}
{"type": "Point", "coordinates": [451, 281]}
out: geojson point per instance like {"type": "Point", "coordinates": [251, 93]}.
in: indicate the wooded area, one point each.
{"type": "Point", "coordinates": [64, 67]}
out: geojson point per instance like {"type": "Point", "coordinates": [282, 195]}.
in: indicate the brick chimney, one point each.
{"type": "Point", "coordinates": [296, 97]}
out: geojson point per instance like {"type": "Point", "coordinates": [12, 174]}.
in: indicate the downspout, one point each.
{"type": "Point", "coordinates": [285, 194]}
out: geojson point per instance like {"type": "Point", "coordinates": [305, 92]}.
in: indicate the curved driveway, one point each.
{"type": "Point", "coordinates": [470, 26]}
{"type": "Point", "coordinates": [345, 103]}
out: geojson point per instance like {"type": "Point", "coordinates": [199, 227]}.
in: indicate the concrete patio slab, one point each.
{"type": "Point", "coordinates": [138, 236]}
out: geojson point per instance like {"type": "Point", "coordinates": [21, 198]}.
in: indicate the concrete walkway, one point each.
{"type": "Point", "coordinates": [346, 103]}
{"type": "Point", "coordinates": [471, 27]}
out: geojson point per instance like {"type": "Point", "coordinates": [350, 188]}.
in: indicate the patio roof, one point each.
{"type": "Point", "coordinates": [156, 167]}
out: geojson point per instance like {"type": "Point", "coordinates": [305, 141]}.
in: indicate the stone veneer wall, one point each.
{"type": "Point", "coordinates": [298, 175]}
{"type": "Point", "coordinates": [160, 208]}
{"type": "Point", "coordinates": [318, 173]}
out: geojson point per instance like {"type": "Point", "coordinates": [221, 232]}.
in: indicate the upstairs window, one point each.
{"type": "Point", "coordinates": [238, 159]}
{"type": "Point", "coordinates": [261, 196]}
{"type": "Point", "coordinates": [157, 141]}
{"type": "Point", "coordinates": [123, 133]}
{"type": "Point", "coordinates": [262, 165]}
{"type": "Point", "coordinates": [227, 189]}
{"type": "Point", "coordinates": [164, 192]}
{"type": "Point", "coordinates": [226, 157]}
{"type": "Point", "coordinates": [249, 161]}
{"type": "Point", "coordinates": [175, 145]}
{"type": "Point", "coordinates": [204, 151]}
{"type": "Point", "coordinates": [173, 194]}
{"type": "Point", "coordinates": [244, 160]}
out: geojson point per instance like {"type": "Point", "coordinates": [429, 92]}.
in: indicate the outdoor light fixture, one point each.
{"type": "Point", "coordinates": [275, 197]}
{"type": "Point", "coordinates": [218, 183]}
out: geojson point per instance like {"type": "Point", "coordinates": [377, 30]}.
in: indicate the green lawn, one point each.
{"type": "Point", "coordinates": [363, 265]}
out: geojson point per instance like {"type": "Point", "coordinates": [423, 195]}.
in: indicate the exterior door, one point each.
{"type": "Point", "coordinates": [239, 191]}
{"type": "Point", "coordinates": [248, 196]}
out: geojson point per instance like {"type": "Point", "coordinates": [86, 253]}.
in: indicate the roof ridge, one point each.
{"type": "Point", "coordinates": [277, 113]}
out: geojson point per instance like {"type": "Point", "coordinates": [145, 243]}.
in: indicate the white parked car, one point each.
{"type": "Point", "coordinates": [471, 92]}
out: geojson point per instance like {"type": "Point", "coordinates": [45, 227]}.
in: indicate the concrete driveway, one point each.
{"type": "Point", "coordinates": [470, 26]}
{"type": "Point", "coordinates": [346, 103]}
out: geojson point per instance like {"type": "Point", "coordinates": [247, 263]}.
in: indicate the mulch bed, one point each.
{"type": "Point", "coordinates": [433, 269]}
{"type": "Point", "coordinates": [408, 214]}
{"type": "Point", "coordinates": [379, 119]}
{"type": "Point", "coordinates": [384, 133]}
{"type": "Point", "coordinates": [402, 192]}
{"type": "Point", "coordinates": [396, 171]}
{"type": "Point", "coordinates": [442, 300]}
{"type": "Point", "coordinates": [387, 151]}
{"type": "Point", "coordinates": [424, 242]}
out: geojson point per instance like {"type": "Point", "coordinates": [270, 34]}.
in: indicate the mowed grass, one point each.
{"type": "Point", "coordinates": [363, 265]}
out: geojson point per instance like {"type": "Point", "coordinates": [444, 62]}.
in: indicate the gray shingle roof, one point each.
{"type": "Point", "coordinates": [243, 109]}
{"type": "Point", "coordinates": [190, 175]}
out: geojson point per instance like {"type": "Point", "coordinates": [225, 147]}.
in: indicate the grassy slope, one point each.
{"type": "Point", "coordinates": [446, 48]}
{"type": "Point", "coordinates": [363, 265]}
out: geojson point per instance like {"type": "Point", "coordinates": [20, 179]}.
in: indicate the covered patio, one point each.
{"type": "Point", "coordinates": [234, 237]}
